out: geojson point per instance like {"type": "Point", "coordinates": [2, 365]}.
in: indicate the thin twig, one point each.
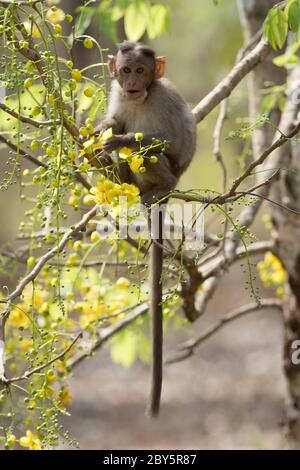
{"type": "Point", "coordinates": [24, 154]}
{"type": "Point", "coordinates": [37, 369]}
{"type": "Point", "coordinates": [188, 348]}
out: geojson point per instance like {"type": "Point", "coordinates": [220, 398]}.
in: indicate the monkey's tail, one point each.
{"type": "Point", "coordinates": [156, 266]}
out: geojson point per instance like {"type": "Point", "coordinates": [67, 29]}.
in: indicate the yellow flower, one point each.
{"type": "Point", "coordinates": [105, 135]}
{"type": "Point", "coordinates": [55, 15]}
{"type": "Point", "coordinates": [279, 277]}
{"type": "Point", "coordinates": [123, 283]}
{"type": "Point", "coordinates": [61, 366]}
{"type": "Point", "coordinates": [136, 162]}
{"type": "Point", "coordinates": [85, 321]}
{"type": "Point", "coordinates": [269, 258]}
{"type": "Point", "coordinates": [95, 236]}
{"type": "Point", "coordinates": [279, 292]}
{"type": "Point", "coordinates": [32, 29]}
{"type": "Point", "coordinates": [25, 344]}
{"type": "Point", "coordinates": [96, 143]}
{"type": "Point", "coordinates": [124, 153]}
{"type": "Point", "coordinates": [116, 305]}
{"type": "Point", "coordinates": [272, 273]}
{"type": "Point", "coordinates": [65, 396]}
{"type": "Point", "coordinates": [31, 441]}
{"type": "Point", "coordinates": [112, 195]}
{"type": "Point", "coordinates": [18, 318]}
{"type": "Point", "coordinates": [34, 295]}
{"type": "Point", "coordinates": [131, 192]}
{"type": "Point", "coordinates": [51, 376]}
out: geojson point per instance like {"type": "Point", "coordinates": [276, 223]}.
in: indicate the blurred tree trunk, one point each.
{"type": "Point", "coordinates": [287, 231]}
{"type": "Point", "coordinates": [286, 191]}
{"type": "Point", "coordinates": [252, 14]}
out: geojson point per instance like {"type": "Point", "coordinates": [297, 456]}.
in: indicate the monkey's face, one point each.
{"type": "Point", "coordinates": [135, 75]}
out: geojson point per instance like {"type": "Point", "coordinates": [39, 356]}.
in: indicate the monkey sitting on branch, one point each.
{"type": "Point", "coordinates": [142, 101]}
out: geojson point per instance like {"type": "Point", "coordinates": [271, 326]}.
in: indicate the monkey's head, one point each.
{"type": "Point", "coordinates": [135, 67]}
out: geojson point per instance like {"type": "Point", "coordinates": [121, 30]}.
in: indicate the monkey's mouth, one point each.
{"type": "Point", "coordinates": [133, 95]}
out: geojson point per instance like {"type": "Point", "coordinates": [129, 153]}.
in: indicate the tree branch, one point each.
{"type": "Point", "coordinates": [26, 119]}
{"type": "Point", "coordinates": [230, 82]}
{"type": "Point", "coordinates": [188, 348]}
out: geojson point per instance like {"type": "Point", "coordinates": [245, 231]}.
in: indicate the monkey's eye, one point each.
{"type": "Point", "coordinates": [126, 70]}
{"type": "Point", "coordinates": [140, 70]}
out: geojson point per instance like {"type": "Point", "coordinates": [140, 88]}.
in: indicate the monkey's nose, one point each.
{"type": "Point", "coordinates": [132, 84]}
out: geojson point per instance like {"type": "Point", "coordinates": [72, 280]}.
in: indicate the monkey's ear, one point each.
{"type": "Point", "coordinates": [160, 66]}
{"type": "Point", "coordinates": [111, 64]}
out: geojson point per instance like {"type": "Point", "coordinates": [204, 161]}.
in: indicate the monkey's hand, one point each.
{"type": "Point", "coordinates": [116, 142]}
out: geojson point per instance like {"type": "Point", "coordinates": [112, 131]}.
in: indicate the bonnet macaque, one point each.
{"type": "Point", "coordinates": [142, 101]}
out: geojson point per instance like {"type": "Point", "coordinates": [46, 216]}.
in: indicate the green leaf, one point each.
{"type": "Point", "coordinates": [136, 20]}
{"type": "Point", "coordinates": [268, 103]}
{"type": "Point", "coordinates": [292, 10]}
{"type": "Point", "coordinates": [158, 20]}
{"type": "Point", "coordinates": [289, 57]}
{"type": "Point", "coordinates": [276, 27]}
{"type": "Point", "coordinates": [117, 13]}
{"type": "Point", "coordinates": [281, 102]}
{"type": "Point", "coordinates": [124, 348]}
{"type": "Point", "coordinates": [83, 21]}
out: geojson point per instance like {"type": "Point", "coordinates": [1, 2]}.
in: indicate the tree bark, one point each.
{"type": "Point", "coordinates": [286, 191]}
{"type": "Point", "coordinates": [287, 230]}
{"type": "Point", "coordinates": [253, 14]}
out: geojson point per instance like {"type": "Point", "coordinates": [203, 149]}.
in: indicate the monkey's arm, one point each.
{"type": "Point", "coordinates": [110, 122]}
{"type": "Point", "coordinates": [105, 159]}
{"type": "Point", "coordinates": [128, 140]}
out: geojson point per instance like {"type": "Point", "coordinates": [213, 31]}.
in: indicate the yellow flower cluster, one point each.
{"type": "Point", "coordinates": [135, 162]}
{"type": "Point", "coordinates": [272, 273]}
{"type": "Point", "coordinates": [100, 302]}
{"type": "Point", "coordinates": [108, 192]}
{"type": "Point", "coordinates": [30, 441]}
{"type": "Point", "coordinates": [19, 314]}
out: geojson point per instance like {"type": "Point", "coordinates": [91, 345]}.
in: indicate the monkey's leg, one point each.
{"type": "Point", "coordinates": [156, 266]}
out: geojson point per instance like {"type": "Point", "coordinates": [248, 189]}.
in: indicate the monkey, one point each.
{"type": "Point", "coordinates": [143, 101]}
